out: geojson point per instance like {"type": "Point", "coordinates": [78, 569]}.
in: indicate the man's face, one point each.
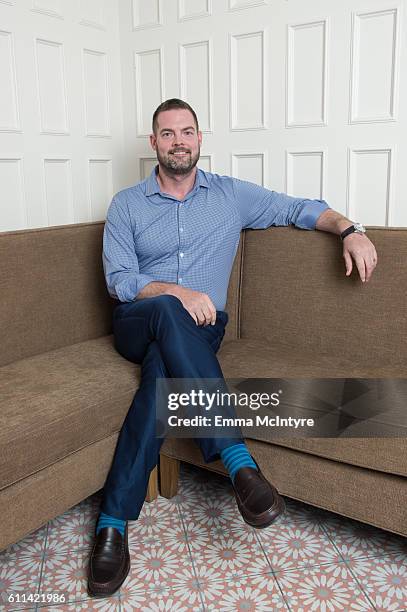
{"type": "Point", "coordinates": [177, 142]}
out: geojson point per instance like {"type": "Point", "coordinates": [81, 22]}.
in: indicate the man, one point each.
{"type": "Point", "coordinates": [169, 245]}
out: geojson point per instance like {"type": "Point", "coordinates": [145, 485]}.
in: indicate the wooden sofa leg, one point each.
{"type": "Point", "coordinates": [169, 473]}
{"type": "Point", "coordinates": [152, 489]}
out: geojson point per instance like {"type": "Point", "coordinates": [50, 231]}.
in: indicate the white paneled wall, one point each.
{"type": "Point", "coordinates": [61, 124]}
{"type": "Point", "coordinates": [309, 98]}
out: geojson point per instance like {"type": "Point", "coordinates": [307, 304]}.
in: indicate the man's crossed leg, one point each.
{"type": "Point", "coordinates": [160, 334]}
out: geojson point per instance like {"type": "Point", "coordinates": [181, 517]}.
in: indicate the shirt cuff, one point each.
{"type": "Point", "coordinates": [308, 216]}
{"type": "Point", "coordinates": [128, 291]}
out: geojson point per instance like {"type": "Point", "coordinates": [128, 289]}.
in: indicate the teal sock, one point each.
{"type": "Point", "coordinates": [235, 457]}
{"type": "Point", "coordinates": [105, 520]}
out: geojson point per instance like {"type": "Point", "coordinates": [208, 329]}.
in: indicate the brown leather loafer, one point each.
{"type": "Point", "coordinates": [109, 562]}
{"type": "Point", "coordinates": [258, 500]}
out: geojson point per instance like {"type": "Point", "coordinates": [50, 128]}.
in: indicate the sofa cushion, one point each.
{"type": "Point", "coordinates": [58, 402]}
{"type": "Point", "coordinates": [256, 359]}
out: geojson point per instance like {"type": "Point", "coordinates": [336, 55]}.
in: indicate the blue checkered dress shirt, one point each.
{"type": "Point", "coordinates": [152, 236]}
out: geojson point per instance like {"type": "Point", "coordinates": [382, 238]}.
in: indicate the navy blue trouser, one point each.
{"type": "Point", "coordinates": [160, 334]}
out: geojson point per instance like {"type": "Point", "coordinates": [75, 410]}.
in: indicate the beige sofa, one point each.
{"type": "Point", "coordinates": [65, 391]}
{"type": "Point", "coordinates": [294, 314]}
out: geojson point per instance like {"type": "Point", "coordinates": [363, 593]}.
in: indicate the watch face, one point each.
{"type": "Point", "coordinates": [359, 228]}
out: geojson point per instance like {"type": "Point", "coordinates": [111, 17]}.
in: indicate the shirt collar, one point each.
{"type": "Point", "coordinates": [152, 186]}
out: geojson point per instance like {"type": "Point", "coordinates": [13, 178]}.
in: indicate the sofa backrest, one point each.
{"type": "Point", "coordinates": [53, 290]}
{"type": "Point", "coordinates": [294, 291]}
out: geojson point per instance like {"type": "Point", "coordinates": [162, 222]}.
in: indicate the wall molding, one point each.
{"type": "Point", "coordinates": [106, 133]}
{"type": "Point", "coordinates": [140, 131]}
{"type": "Point", "coordinates": [354, 67]}
{"type": "Point", "coordinates": [183, 76]}
{"type": "Point", "coordinates": [146, 26]}
{"type": "Point", "coordinates": [353, 152]}
{"type": "Point", "coordinates": [244, 154]}
{"type": "Point", "coordinates": [238, 5]}
{"type": "Point", "coordinates": [66, 163]}
{"type": "Point", "coordinates": [291, 28]}
{"type": "Point", "coordinates": [64, 129]}
{"type": "Point", "coordinates": [291, 153]}
{"type": "Point", "coordinates": [23, 211]}
{"type": "Point", "coordinates": [233, 69]}
{"type": "Point", "coordinates": [14, 127]}
{"type": "Point", "coordinates": [107, 160]}
{"type": "Point", "coordinates": [182, 16]}
{"type": "Point", "coordinates": [37, 8]}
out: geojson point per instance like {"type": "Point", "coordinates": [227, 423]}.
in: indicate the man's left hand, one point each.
{"type": "Point", "coordinates": [362, 250]}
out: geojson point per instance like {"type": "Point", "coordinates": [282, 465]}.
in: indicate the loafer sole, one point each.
{"type": "Point", "coordinates": [105, 591]}
{"type": "Point", "coordinates": [265, 519]}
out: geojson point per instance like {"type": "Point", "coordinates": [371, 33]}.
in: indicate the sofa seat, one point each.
{"type": "Point", "coordinates": [246, 358]}
{"type": "Point", "coordinates": [58, 402]}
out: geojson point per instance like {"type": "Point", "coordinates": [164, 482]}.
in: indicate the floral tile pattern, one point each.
{"type": "Point", "coordinates": [357, 539]}
{"type": "Point", "coordinates": [256, 593]}
{"type": "Point", "coordinates": [65, 573]}
{"type": "Point", "coordinates": [231, 556]}
{"type": "Point", "coordinates": [322, 588]}
{"type": "Point", "coordinates": [155, 521]}
{"type": "Point", "coordinates": [71, 530]}
{"type": "Point", "coordinates": [195, 553]}
{"type": "Point", "coordinates": [158, 566]}
{"type": "Point", "coordinates": [33, 544]}
{"type": "Point", "coordinates": [19, 579]}
{"type": "Point", "coordinates": [108, 604]}
{"type": "Point", "coordinates": [384, 580]}
{"type": "Point", "coordinates": [298, 544]}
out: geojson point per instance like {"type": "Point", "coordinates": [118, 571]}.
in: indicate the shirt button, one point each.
{"type": "Point", "coordinates": [180, 280]}
{"type": "Point", "coordinates": [181, 229]}
{"type": "Point", "coordinates": [181, 254]}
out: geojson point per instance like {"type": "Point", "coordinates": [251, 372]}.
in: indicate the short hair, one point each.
{"type": "Point", "coordinates": [171, 104]}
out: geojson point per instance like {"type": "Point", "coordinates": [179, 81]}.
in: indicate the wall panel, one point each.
{"type": "Point", "coordinates": [196, 85]}
{"type": "Point", "coordinates": [52, 8]}
{"type": "Point", "coordinates": [250, 167]}
{"type": "Point", "coordinates": [146, 14]}
{"type": "Point", "coordinates": [247, 81]}
{"type": "Point", "coordinates": [306, 74]}
{"type": "Point", "coordinates": [58, 191]}
{"type": "Point", "coordinates": [93, 13]}
{"type": "Point", "coordinates": [9, 113]}
{"type": "Point", "coordinates": [100, 187]}
{"type": "Point", "coordinates": [96, 93]}
{"type": "Point", "coordinates": [61, 111]}
{"type": "Point", "coordinates": [370, 200]}
{"type": "Point", "coordinates": [52, 87]}
{"type": "Point", "coordinates": [374, 66]}
{"type": "Point", "coordinates": [13, 207]}
{"type": "Point", "coordinates": [149, 87]}
{"type": "Point", "coordinates": [193, 9]}
{"type": "Point", "coordinates": [305, 174]}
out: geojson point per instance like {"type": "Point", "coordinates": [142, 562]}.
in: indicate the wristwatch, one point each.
{"type": "Point", "coordinates": [356, 227]}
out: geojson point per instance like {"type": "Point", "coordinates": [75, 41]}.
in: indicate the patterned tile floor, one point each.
{"type": "Point", "coordinates": [194, 552]}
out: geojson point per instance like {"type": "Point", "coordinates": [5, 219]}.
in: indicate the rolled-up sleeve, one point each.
{"type": "Point", "coordinates": [120, 263]}
{"type": "Point", "coordinates": [260, 208]}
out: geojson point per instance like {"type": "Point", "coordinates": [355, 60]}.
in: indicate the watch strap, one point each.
{"type": "Point", "coordinates": [349, 230]}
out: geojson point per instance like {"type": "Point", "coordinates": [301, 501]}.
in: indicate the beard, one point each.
{"type": "Point", "coordinates": [178, 165]}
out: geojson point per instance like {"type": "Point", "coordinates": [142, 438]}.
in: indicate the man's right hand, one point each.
{"type": "Point", "coordinates": [199, 305]}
